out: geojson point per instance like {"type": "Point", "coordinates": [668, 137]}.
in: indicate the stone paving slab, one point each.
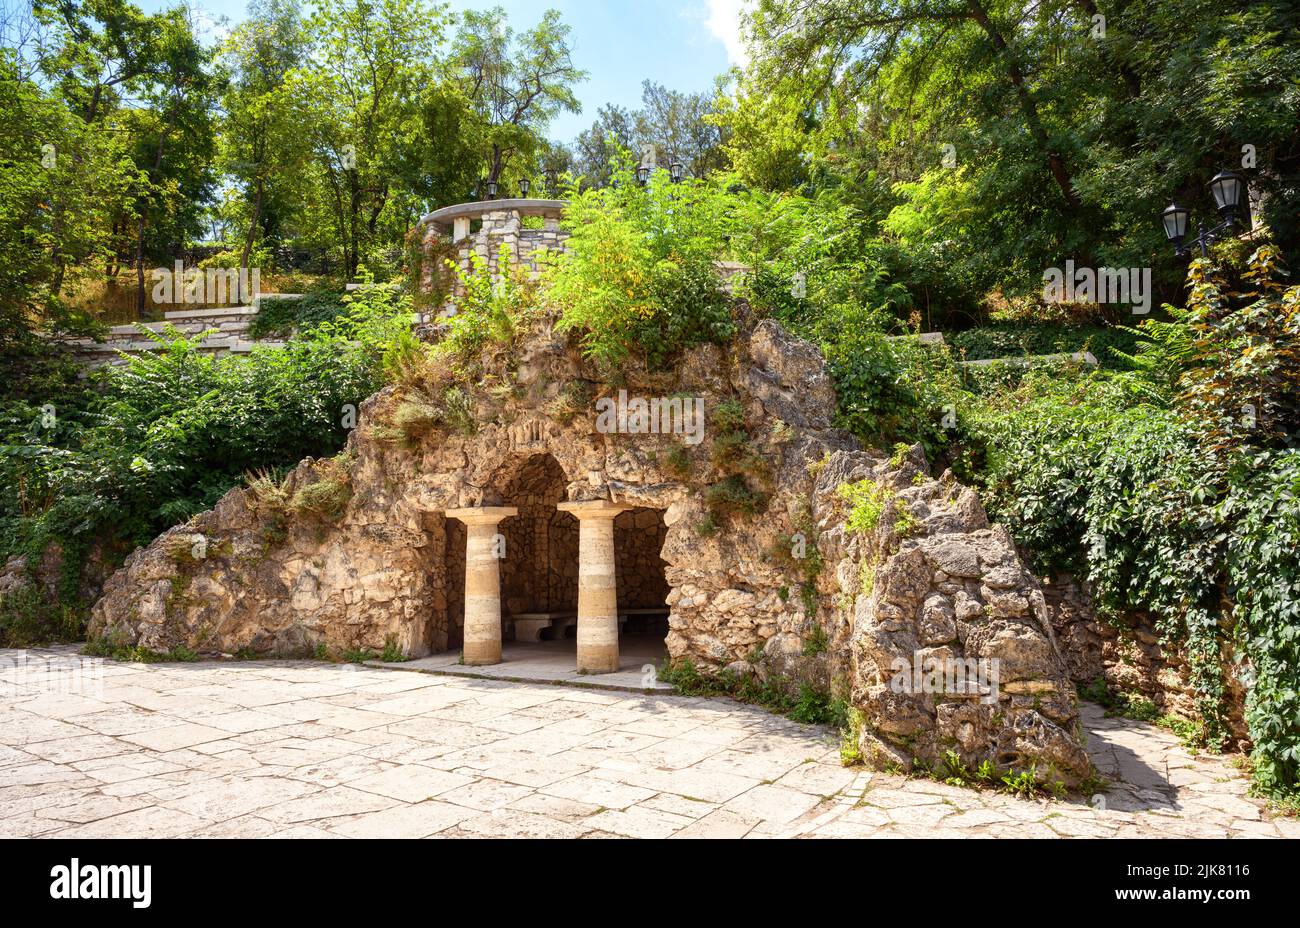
{"type": "Point", "coordinates": [90, 748]}
{"type": "Point", "coordinates": [553, 662]}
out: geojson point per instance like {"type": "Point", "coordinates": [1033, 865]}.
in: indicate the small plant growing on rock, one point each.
{"type": "Point", "coordinates": [573, 399]}
{"type": "Point", "coordinates": [956, 773]}
{"type": "Point", "coordinates": [707, 527]}
{"type": "Point", "coordinates": [269, 489]}
{"type": "Point", "coordinates": [851, 737]}
{"type": "Point", "coordinates": [1023, 784]}
{"type": "Point", "coordinates": [416, 417]}
{"type": "Point", "coordinates": [460, 411]}
{"type": "Point", "coordinates": [866, 501]}
{"type": "Point", "coordinates": [328, 496]}
{"type": "Point", "coordinates": [678, 462]}
{"type": "Point", "coordinates": [810, 707]}
{"type": "Point", "coordinates": [134, 654]}
{"type": "Point", "coordinates": [867, 577]}
{"type": "Point", "coordinates": [269, 499]}
{"type": "Point", "coordinates": [729, 415]}
{"type": "Point", "coordinates": [410, 364]}
{"type": "Point", "coordinates": [813, 707]}
{"type": "Point", "coordinates": [905, 523]}
{"type": "Point", "coordinates": [732, 496]}
{"type": "Point", "coordinates": [816, 643]}
{"type": "Point", "coordinates": [392, 653]}
{"type": "Point", "coordinates": [797, 553]}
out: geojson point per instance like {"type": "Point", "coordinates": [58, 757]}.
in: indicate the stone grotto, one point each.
{"type": "Point", "coordinates": [525, 521]}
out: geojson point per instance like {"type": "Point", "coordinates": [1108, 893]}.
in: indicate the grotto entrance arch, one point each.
{"type": "Point", "coordinates": [539, 568]}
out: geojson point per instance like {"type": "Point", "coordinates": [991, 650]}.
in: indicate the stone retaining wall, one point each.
{"type": "Point", "coordinates": [1129, 655]}
{"type": "Point", "coordinates": [229, 325]}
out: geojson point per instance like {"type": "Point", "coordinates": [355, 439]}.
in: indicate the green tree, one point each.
{"type": "Point", "coordinates": [596, 149]}
{"type": "Point", "coordinates": [262, 148]}
{"type": "Point", "coordinates": [1025, 138]}
{"type": "Point", "coordinates": [678, 126]}
{"type": "Point", "coordinates": [59, 181]}
{"type": "Point", "coordinates": [518, 84]}
{"type": "Point", "coordinates": [174, 144]}
{"type": "Point", "coordinates": [356, 98]}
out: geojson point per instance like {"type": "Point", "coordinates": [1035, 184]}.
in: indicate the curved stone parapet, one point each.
{"type": "Point", "coordinates": [445, 219]}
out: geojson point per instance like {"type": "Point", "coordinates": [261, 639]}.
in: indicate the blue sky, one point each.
{"type": "Point", "coordinates": [682, 44]}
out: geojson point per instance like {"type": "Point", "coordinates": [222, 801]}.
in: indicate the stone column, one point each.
{"type": "Point", "coordinates": [459, 229]}
{"type": "Point", "coordinates": [597, 585]}
{"type": "Point", "coordinates": [482, 583]}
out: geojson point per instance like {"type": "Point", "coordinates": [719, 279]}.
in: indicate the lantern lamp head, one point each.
{"type": "Point", "coordinates": [1227, 188]}
{"type": "Point", "coordinates": [1175, 219]}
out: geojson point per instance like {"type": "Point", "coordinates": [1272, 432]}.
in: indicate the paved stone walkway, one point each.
{"type": "Point", "coordinates": [315, 750]}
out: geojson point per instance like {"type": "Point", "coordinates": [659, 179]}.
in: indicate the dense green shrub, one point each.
{"type": "Point", "coordinates": [638, 275]}
{"type": "Point", "coordinates": [489, 310]}
{"type": "Point", "coordinates": [816, 265]}
{"type": "Point", "coordinates": [166, 435]}
{"type": "Point", "coordinates": [278, 318]}
{"type": "Point", "coordinates": [1120, 493]}
{"type": "Point", "coordinates": [1176, 489]}
{"type": "Point", "coordinates": [1263, 568]}
{"type": "Point", "coordinates": [895, 391]}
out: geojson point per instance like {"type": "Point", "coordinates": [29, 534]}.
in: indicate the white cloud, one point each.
{"type": "Point", "coordinates": [723, 21]}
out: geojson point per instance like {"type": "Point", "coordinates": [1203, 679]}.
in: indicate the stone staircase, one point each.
{"type": "Point", "coordinates": [229, 326]}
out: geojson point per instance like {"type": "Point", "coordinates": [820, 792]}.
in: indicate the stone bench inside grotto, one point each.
{"type": "Point", "coordinates": [645, 617]}
{"type": "Point", "coordinates": [530, 625]}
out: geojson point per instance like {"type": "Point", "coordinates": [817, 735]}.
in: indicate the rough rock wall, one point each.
{"type": "Point", "coordinates": [947, 635]}
{"type": "Point", "coordinates": [1132, 659]}
{"type": "Point", "coordinates": [742, 591]}
{"type": "Point", "coordinates": [638, 538]}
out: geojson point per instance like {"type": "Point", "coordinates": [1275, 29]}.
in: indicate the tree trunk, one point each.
{"type": "Point", "coordinates": [139, 241]}
{"type": "Point", "coordinates": [1055, 163]}
{"type": "Point", "coordinates": [354, 225]}
{"type": "Point", "coordinates": [1127, 74]}
{"type": "Point", "coordinates": [251, 237]}
{"type": "Point", "coordinates": [498, 164]}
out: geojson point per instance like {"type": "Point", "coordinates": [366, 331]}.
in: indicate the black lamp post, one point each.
{"type": "Point", "coordinates": [643, 174]}
{"type": "Point", "coordinates": [1228, 189]}
{"type": "Point", "coordinates": [677, 171]}
{"type": "Point", "coordinates": [524, 186]}
{"type": "Point", "coordinates": [491, 190]}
